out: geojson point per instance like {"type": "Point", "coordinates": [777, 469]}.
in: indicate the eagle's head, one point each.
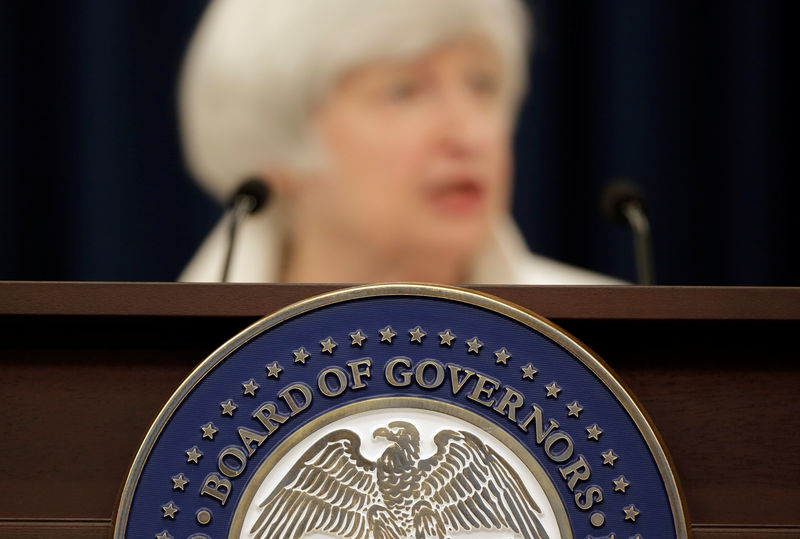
{"type": "Point", "coordinates": [404, 434]}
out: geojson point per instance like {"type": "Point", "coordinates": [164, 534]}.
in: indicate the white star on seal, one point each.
{"type": "Point", "coordinates": [630, 512]}
{"type": "Point", "coordinates": [528, 371]}
{"type": "Point", "coordinates": [502, 356]}
{"type": "Point", "coordinates": [474, 345]}
{"type": "Point", "coordinates": [358, 338]}
{"type": "Point", "coordinates": [208, 431]}
{"type": "Point", "coordinates": [387, 334]}
{"type": "Point", "coordinates": [594, 432]}
{"type": "Point", "coordinates": [228, 407]}
{"type": "Point", "coordinates": [169, 510]}
{"type": "Point", "coordinates": [552, 390]}
{"type": "Point", "coordinates": [193, 455]}
{"type": "Point", "coordinates": [620, 484]}
{"type": "Point", "coordinates": [250, 387]}
{"type": "Point", "coordinates": [273, 369]}
{"type": "Point", "coordinates": [446, 337]}
{"type": "Point", "coordinates": [179, 481]}
{"type": "Point", "coordinates": [574, 409]}
{"type": "Point", "coordinates": [328, 345]}
{"type": "Point", "coordinates": [416, 334]}
{"type": "Point", "coordinates": [300, 355]}
{"type": "Point", "coordinates": [609, 457]}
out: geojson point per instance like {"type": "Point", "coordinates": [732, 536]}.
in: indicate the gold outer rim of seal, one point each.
{"type": "Point", "coordinates": [492, 303]}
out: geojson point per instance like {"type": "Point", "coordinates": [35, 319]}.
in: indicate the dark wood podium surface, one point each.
{"type": "Point", "coordinates": [86, 367]}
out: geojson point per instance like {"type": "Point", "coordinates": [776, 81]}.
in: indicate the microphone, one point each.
{"type": "Point", "coordinates": [623, 203]}
{"type": "Point", "coordinates": [250, 197]}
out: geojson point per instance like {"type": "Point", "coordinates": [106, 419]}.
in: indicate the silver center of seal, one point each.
{"type": "Point", "coordinates": [400, 473]}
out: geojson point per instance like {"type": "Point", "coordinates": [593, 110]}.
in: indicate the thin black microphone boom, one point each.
{"type": "Point", "coordinates": [623, 203]}
{"type": "Point", "coordinates": [251, 196]}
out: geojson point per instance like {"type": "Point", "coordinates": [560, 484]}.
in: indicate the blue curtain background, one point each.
{"type": "Point", "coordinates": [690, 99]}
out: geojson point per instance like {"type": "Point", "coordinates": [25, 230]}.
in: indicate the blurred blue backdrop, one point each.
{"type": "Point", "coordinates": [692, 100]}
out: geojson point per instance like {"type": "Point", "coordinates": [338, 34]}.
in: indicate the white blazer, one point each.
{"type": "Point", "coordinates": [257, 257]}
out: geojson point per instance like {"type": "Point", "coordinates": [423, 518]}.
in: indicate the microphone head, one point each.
{"type": "Point", "coordinates": [619, 194]}
{"type": "Point", "coordinates": [253, 189]}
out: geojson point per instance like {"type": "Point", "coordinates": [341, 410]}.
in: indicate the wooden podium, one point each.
{"type": "Point", "coordinates": [85, 368]}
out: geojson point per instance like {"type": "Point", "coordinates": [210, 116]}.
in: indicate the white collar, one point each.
{"type": "Point", "coordinates": [257, 257]}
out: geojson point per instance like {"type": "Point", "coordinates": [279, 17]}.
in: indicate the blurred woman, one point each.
{"type": "Point", "coordinates": [383, 129]}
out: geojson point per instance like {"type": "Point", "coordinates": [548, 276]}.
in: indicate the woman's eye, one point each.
{"type": "Point", "coordinates": [483, 83]}
{"type": "Point", "coordinates": [401, 90]}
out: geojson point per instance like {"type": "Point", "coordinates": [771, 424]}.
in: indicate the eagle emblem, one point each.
{"type": "Point", "coordinates": [333, 489]}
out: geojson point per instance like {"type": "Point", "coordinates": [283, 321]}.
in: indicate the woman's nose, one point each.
{"type": "Point", "coordinates": [464, 127]}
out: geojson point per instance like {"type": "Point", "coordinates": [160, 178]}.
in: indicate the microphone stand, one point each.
{"type": "Point", "coordinates": [624, 204]}
{"type": "Point", "coordinates": [242, 207]}
{"type": "Point", "coordinates": [251, 196]}
{"type": "Point", "coordinates": [642, 242]}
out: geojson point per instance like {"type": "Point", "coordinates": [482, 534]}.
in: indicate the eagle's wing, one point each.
{"type": "Point", "coordinates": [329, 489]}
{"type": "Point", "coordinates": [472, 487]}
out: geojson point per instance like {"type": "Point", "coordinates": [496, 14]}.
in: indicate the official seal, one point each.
{"type": "Point", "coordinates": [401, 412]}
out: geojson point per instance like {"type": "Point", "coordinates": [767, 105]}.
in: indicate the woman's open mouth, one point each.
{"type": "Point", "coordinates": [462, 196]}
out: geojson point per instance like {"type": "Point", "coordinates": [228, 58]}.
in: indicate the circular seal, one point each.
{"type": "Point", "coordinates": [401, 412]}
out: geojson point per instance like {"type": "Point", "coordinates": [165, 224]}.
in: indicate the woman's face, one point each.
{"type": "Point", "coordinates": [417, 155]}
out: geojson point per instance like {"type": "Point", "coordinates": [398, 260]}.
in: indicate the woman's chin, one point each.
{"type": "Point", "coordinates": [456, 242]}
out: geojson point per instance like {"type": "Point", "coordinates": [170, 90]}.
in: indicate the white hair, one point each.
{"type": "Point", "coordinates": [255, 68]}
